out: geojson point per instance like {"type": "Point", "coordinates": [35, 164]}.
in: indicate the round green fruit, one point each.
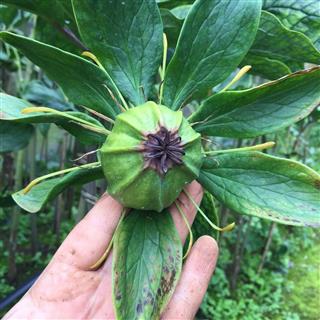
{"type": "Point", "coordinates": [150, 155]}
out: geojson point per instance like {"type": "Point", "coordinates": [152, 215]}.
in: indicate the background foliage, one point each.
{"type": "Point", "coordinates": [265, 270]}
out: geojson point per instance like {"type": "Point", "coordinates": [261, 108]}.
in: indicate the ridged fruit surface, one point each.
{"type": "Point", "coordinates": [150, 155]}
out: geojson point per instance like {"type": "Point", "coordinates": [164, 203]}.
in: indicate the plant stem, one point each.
{"type": "Point", "coordinates": [105, 254]}
{"type": "Point", "coordinates": [185, 219]}
{"type": "Point", "coordinates": [212, 225]}
{"type": "Point", "coordinates": [100, 115]}
{"type": "Point", "coordinates": [96, 60]}
{"type": "Point", "coordinates": [57, 173]}
{"type": "Point", "coordinates": [59, 203]}
{"type": "Point", "coordinates": [242, 237]}
{"type": "Point", "coordinates": [12, 267]}
{"type": "Point", "coordinates": [267, 246]}
{"type": "Point", "coordinates": [237, 77]}
{"type": "Point", "coordinates": [163, 68]}
{"type": "Point", "coordinates": [257, 147]}
{"type": "Point", "coordinates": [32, 150]}
{"type": "Point", "coordinates": [71, 36]}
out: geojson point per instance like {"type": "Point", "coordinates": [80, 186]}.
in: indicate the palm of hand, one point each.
{"type": "Point", "coordinates": [68, 289]}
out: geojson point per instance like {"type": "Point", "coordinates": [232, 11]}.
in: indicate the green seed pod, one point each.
{"type": "Point", "coordinates": [151, 153]}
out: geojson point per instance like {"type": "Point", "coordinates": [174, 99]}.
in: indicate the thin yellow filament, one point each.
{"type": "Point", "coordinates": [96, 60]}
{"type": "Point", "coordinates": [57, 173]}
{"type": "Point", "coordinates": [257, 147]}
{"type": "Point", "coordinates": [238, 76]}
{"type": "Point", "coordinates": [163, 68]}
{"type": "Point", "coordinates": [106, 253]}
{"type": "Point", "coordinates": [92, 57]}
{"type": "Point", "coordinates": [229, 227]}
{"type": "Point", "coordinates": [189, 229]}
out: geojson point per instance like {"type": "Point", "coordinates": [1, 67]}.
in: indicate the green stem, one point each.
{"type": "Point", "coordinates": [229, 227]}
{"type": "Point", "coordinates": [257, 147]}
{"type": "Point", "coordinates": [237, 77]}
{"type": "Point", "coordinates": [164, 62]}
{"type": "Point", "coordinates": [189, 229]}
{"type": "Point", "coordinates": [105, 255]}
{"type": "Point", "coordinates": [57, 173]}
{"type": "Point", "coordinates": [96, 60]}
{"type": "Point", "coordinates": [32, 152]}
{"type": "Point", "coordinates": [100, 115]}
{"type": "Point", "coordinates": [18, 177]}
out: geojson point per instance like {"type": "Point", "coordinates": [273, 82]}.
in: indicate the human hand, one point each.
{"type": "Point", "coordinates": [68, 289]}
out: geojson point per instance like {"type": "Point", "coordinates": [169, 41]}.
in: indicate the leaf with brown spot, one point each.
{"type": "Point", "coordinates": [147, 264]}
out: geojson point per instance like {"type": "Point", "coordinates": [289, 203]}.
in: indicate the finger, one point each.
{"type": "Point", "coordinates": [194, 280]}
{"type": "Point", "coordinates": [196, 192]}
{"type": "Point", "coordinates": [89, 239]}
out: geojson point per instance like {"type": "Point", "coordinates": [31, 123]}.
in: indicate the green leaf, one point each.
{"type": "Point", "coordinates": [53, 10]}
{"type": "Point", "coordinates": [264, 109]}
{"type": "Point", "coordinates": [275, 41]}
{"type": "Point", "coordinates": [172, 22]}
{"type": "Point", "coordinates": [171, 25]}
{"type": "Point", "coordinates": [266, 67]}
{"type": "Point", "coordinates": [40, 194]}
{"type": "Point", "coordinates": [84, 135]}
{"type": "Point", "coordinates": [214, 38]}
{"type": "Point", "coordinates": [146, 264]}
{"type": "Point", "coordinates": [128, 41]}
{"type": "Point", "coordinates": [11, 112]}
{"type": "Point", "coordinates": [303, 16]}
{"type": "Point", "coordinates": [82, 81]}
{"type": "Point", "coordinates": [14, 136]}
{"type": "Point", "coordinates": [14, 106]}
{"type": "Point", "coordinates": [55, 23]}
{"type": "Point", "coordinates": [257, 184]}
{"type": "Point", "coordinates": [181, 12]}
{"type": "Point", "coordinates": [47, 33]}
{"type": "Point", "coordinates": [40, 94]}
{"type": "Point", "coordinates": [171, 4]}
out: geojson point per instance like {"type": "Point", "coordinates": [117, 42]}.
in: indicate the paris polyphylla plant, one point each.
{"type": "Point", "coordinates": [151, 150]}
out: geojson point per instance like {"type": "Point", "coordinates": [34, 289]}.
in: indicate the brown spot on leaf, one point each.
{"type": "Point", "coordinates": [118, 296]}
{"type": "Point", "coordinates": [291, 75]}
{"type": "Point", "coordinates": [139, 308]}
{"type": "Point", "coordinates": [166, 269]}
{"type": "Point", "coordinates": [166, 283]}
{"type": "Point", "coordinates": [317, 184]}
